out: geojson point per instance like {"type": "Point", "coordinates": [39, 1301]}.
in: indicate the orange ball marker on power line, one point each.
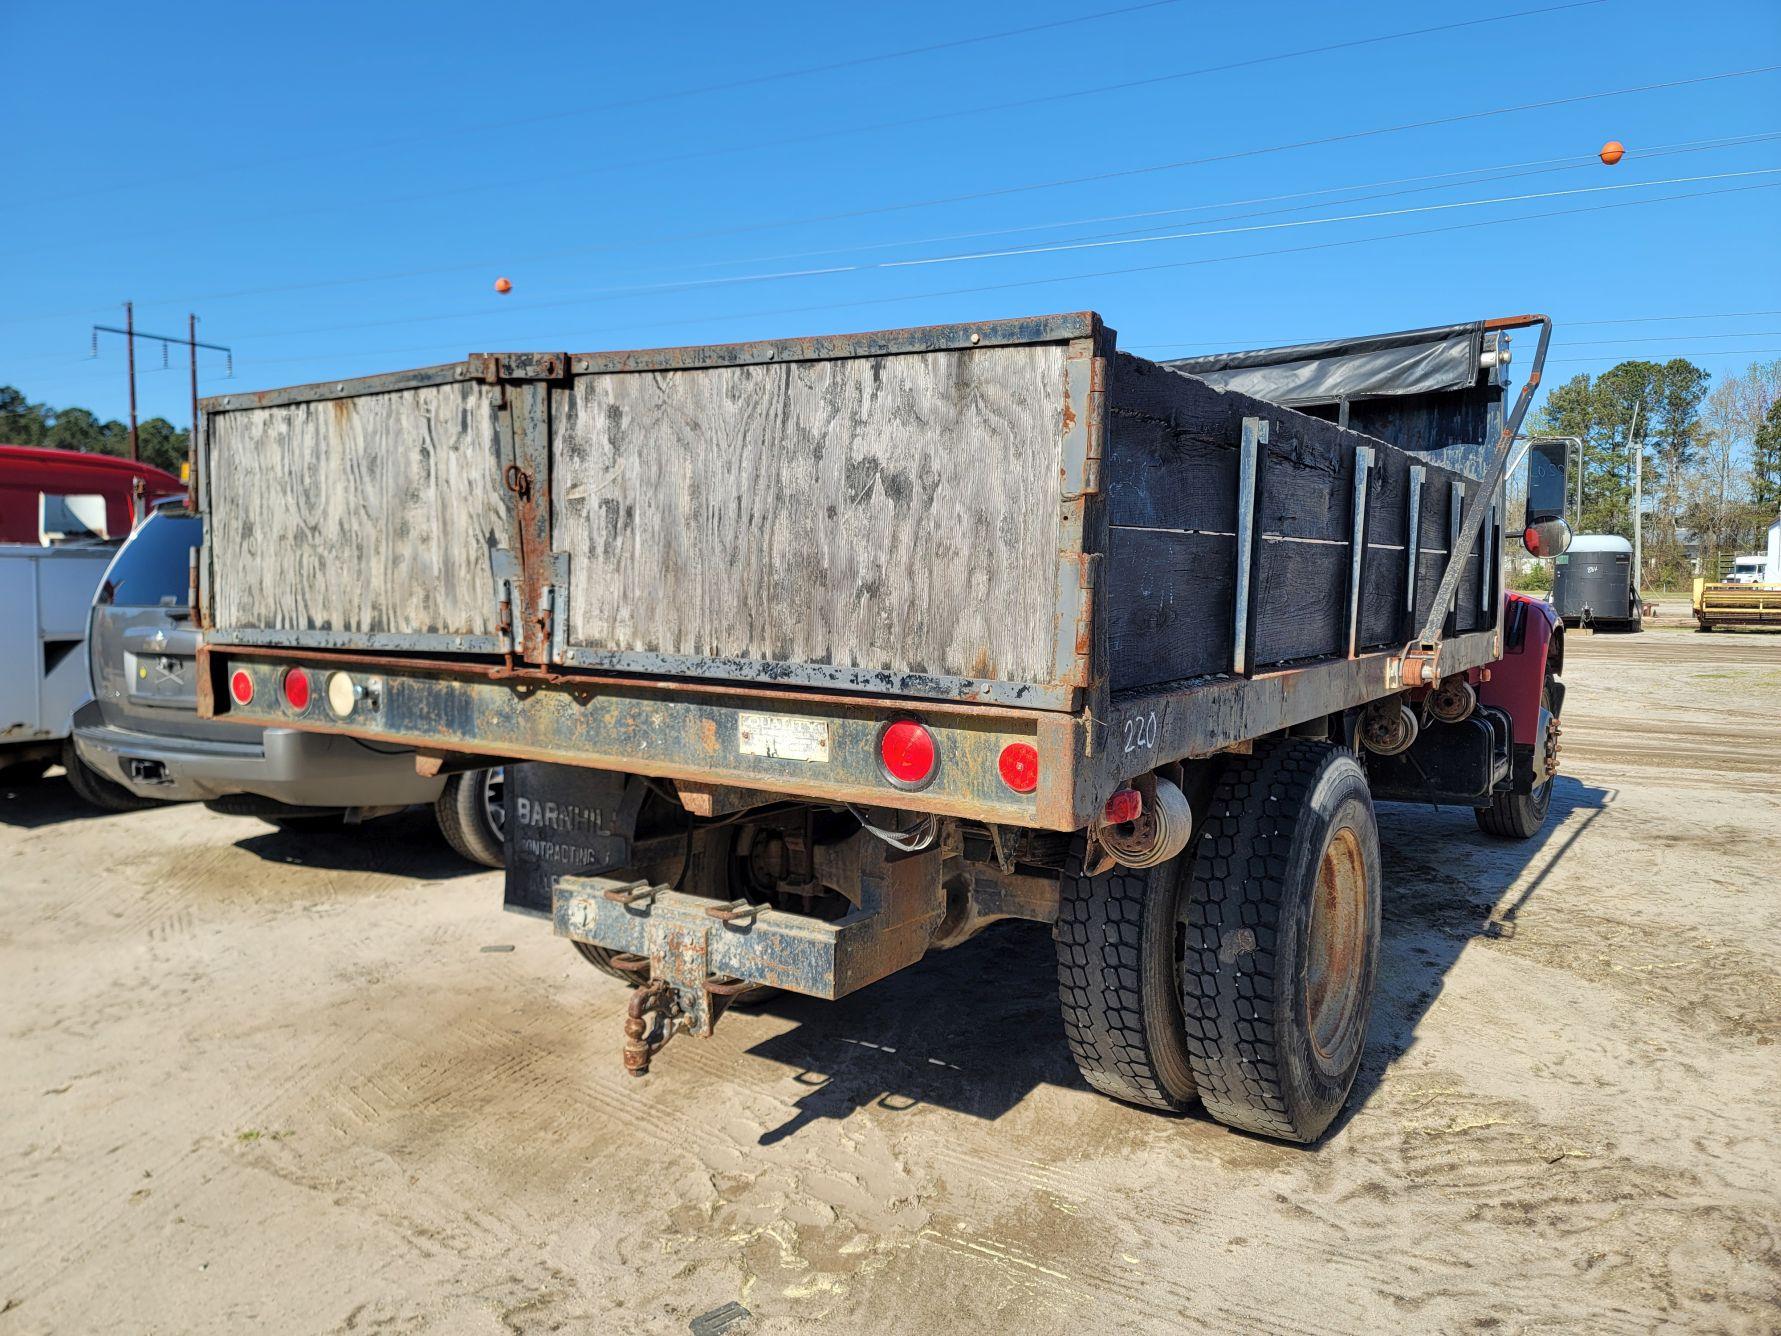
{"type": "Point", "coordinates": [505, 285]}
{"type": "Point", "coordinates": [1612, 152]}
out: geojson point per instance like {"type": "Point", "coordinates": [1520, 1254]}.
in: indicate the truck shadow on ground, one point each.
{"type": "Point", "coordinates": [976, 1029]}
{"type": "Point", "coordinates": [405, 844]}
{"type": "Point", "coordinates": [50, 801]}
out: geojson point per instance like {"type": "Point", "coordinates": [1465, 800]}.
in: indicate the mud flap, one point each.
{"type": "Point", "coordinates": [564, 820]}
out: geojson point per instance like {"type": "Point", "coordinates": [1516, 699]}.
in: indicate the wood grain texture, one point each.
{"type": "Point", "coordinates": [894, 513]}
{"type": "Point", "coordinates": [1170, 605]}
{"type": "Point", "coordinates": [370, 515]}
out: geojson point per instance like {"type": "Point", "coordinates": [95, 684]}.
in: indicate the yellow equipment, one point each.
{"type": "Point", "coordinates": [1736, 605]}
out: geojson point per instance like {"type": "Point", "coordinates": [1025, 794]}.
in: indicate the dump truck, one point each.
{"type": "Point", "coordinates": [808, 657]}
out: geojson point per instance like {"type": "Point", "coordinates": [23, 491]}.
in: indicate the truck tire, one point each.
{"type": "Point", "coordinates": [1282, 939]}
{"type": "Point", "coordinates": [1518, 816]}
{"type": "Point", "coordinates": [471, 818]}
{"type": "Point", "coordinates": [1118, 972]}
{"type": "Point", "coordinates": [95, 790]}
{"type": "Point", "coordinates": [1515, 816]}
{"type": "Point", "coordinates": [600, 957]}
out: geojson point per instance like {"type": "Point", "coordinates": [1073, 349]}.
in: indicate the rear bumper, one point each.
{"type": "Point", "coordinates": [692, 731]}
{"type": "Point", "coordinates": [302, 769]}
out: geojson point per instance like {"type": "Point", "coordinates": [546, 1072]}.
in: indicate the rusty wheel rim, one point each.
{"type": "Point", "coordinates": [1335, 961]}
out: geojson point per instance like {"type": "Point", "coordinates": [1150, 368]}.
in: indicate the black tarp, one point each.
{"type": "Point", "coordinates": [1417, 361]}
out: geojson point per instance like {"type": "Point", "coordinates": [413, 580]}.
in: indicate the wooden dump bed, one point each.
{"type": "Point", "coordinates": [1011, 513]}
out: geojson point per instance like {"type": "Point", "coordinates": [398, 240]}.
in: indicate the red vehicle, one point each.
{"type": "Point", "coordinates": [48, 496]}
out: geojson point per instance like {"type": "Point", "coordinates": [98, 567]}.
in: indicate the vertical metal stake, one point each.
{"type": "Point", "coordinates": [1357, 543]}
{"type": "Point", "coordinates": [1486, 549]}
{"type": "Point", "coordinates": [1413, 538]}
{"type": "Point", "coordinates": [1255, 435]}
{"type": "Point", "coordinates": [1456, 506]}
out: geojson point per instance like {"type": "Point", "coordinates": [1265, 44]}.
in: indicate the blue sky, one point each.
{"type": "Point", "coordinates": [334, 188]}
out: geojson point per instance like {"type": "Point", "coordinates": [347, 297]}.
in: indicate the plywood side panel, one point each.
{"type": "Point", "coordinates": [372, 515]}
{"type": "Point", "coordinates": [896, 513]}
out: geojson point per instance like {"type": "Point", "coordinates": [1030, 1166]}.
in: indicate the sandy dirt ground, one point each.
{"type": "Point", "coordinates": [256, 1082]}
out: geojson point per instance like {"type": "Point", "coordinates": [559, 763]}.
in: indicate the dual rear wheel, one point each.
{"type": "Point", "coordinates": [1242, 973]}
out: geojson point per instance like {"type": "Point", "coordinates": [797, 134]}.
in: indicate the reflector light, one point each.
{"type": "Point", "coordinates": [907, 750]}
{"type": "Point", "coordinates": [1019, 765]}
{"type": "Point", "coordinates": [296, 689]}
{"type": "Point", "coordinates": [342, 694]}
{"type": "Point", "coordinates": [241, 687]}
{"type": "Point", "coordinates": [1125, 805]}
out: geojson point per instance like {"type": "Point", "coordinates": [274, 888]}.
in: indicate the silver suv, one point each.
{"type": "Point", "coordinates": [141, 730]}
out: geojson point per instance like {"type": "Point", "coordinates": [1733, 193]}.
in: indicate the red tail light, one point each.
{"type": "Point", "coordinates": [1019, 764]}
{"type": "Point", "coordinates": [1125, 805]}
{"type": "Point", "coordinates": [296, 689]}
{"type": "Point", "coordinates": [907, 752]}
{"type": "Point", "coordinates": [241, 687]}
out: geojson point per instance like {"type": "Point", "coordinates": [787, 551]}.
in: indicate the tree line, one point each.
{"type": "Point", "coordinates": [1711, 458]}
{"type": "Point", "coordinates": [22, 422]}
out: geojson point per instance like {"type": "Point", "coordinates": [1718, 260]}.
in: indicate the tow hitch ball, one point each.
{"type": "Point", "coordinates": [658, 999]}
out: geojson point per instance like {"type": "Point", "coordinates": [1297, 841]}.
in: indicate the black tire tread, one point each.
{"type": "Point", "coordinates": [600, 957]}
{"type": "Point", "coordinates": [1242, 862]}
{"type": "Point", "coordinates": [1513, 816]}
{"type": "Point", "coordinates": [96, 790]}
{"type": "Point", "coordinates": [1099, 938]}
{"type": "Point", "coordinates": [458, 809]}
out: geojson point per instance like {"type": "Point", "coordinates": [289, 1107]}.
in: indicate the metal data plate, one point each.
{"type": "Point", "coordinates": [785, 737]}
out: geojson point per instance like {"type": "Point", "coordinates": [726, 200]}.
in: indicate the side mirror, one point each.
{"type": "Point", "coordinates": [1548, 472]}
{"type": "Point", "coordinates": [1546, 538]}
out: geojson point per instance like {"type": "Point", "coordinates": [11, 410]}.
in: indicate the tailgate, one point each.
{"type": "Point", "coordinates": [897, 512]}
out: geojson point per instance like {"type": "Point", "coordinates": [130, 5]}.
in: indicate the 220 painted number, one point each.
{"type": "Point", "coordinates": [1140, 733]}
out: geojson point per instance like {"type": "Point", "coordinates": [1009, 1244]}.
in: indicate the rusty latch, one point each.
{"type": "Point", "coordinates": [732, 911]}
{"type": "Point", "coordinates": [518, 481]}
{"type": "Point", "coordinates": [635, 892]}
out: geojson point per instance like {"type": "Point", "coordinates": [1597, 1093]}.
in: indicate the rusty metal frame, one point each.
{"type": "Point", "coordinates": [667, 729]}
{"type": "Point", "coordinates": [678, 729]}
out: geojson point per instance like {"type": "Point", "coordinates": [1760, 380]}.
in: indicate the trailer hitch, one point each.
{"type": "Point", "coordinates": [659, 998]}
{"type": "Point", "coordinates": [644, 1040]}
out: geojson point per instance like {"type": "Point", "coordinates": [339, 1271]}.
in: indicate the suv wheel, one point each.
{"type": "Point", "coordinates": [472, 815]}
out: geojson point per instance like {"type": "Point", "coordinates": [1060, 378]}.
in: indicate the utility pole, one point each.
{"type": "Point", "coordinates": [130, 342]}
{"type": "Point", "coordinates": [1579, 510]}
{"type": "Point", "coordinates": [1638, 499]}
{"type": "Point", "coordinates": [131, 334]}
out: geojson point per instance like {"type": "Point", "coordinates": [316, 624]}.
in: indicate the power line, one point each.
{"type": "Point", "coordinates": [1276, 341]}
{"type": "Point", "coordinates": [1653, 319]}
{"type": "Point", "coordinates": [997, 192]}
{"type": "Point", "coordinates": [1699, 352]}
{"type": "Point", "coordinates": [646, 99]}
{"type": "Point", "coordinates": [756, 145]}
{"type": "Point", "coordinates": [1504, 171]}
{"type": "Point", "coordinates": [563, 337]}
{"type": "Point", "coordinates": [599, 294]}
{"type": "Point", "coordinates": [1676, 338]}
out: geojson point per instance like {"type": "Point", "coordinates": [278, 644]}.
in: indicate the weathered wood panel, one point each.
{"type": "Point", "coordinates": [894, 513]}
{"type": "Point", "coordinates": [371, 515]}
{"type": "Point", "coordinates": [1170, 616]}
